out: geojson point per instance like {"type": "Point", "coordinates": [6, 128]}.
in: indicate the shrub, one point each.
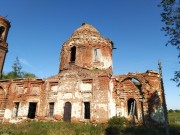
{"type": "Point", "coordinates": [170, 111]}
{"type": "Point", "coordinates": [116, 126]}
{"type": "Point", "coordinates": [177, 111]}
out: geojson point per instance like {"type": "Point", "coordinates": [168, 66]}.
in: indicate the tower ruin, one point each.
{"type": "Point", "coordinates": [4, 28]}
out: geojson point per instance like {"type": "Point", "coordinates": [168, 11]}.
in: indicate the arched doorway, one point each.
{"type": "Point", "coordinates": [67, 111]}
{"type": "Point", "coordinates": [132, 108]}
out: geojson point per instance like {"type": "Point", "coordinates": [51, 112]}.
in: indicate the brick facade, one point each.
{"type": "Point", "coordinates": [85, 89]}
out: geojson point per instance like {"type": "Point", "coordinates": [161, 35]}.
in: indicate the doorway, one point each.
{"type": "Point", "coordinates": [87, 110]}
{"type": "Point", "coordinates": [32, 110]}
{"type": "Point", "coordinates": [51, 109]}
{"type": "Point", "coordinates": [67, 112]}
{"type": "Point", "coordinates": [132, 108]}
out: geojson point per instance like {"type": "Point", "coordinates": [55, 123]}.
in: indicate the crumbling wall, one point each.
{"type": "Point", "coordinates": [92, 50]}
{"type": "Point", "coordinates": [146, 92]}
{"type": "Point", "coordinates": [22, 91]}
{"type": "Point", "coordinates": [78, 87]}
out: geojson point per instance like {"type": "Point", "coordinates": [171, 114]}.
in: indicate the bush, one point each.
{"type": "Point", "coordinates": [116, 126]}
{"type": "Point", "coordinates": [170, 111]}
{"type": "Point", "coordinates": [177, 111]}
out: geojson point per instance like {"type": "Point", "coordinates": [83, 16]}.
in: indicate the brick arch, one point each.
{"type": "Point", "coordinates": [139, 78]}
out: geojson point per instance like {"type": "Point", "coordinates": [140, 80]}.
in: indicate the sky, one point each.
{"type": "Point", "coordinates": [40, 27]}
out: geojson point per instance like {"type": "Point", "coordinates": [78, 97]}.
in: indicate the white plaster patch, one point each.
{"type": "Point", "coordinates": [76, 110]}
{"type": "Point", "coordinates": [86, 95]}
{"type": "Point", "coordinates": [54, 88]}
{"type": "Point", "coordinates": [68, 95]}
{"type": "Point", "coordinates": [86, 87]}
{"type": "Point", "coordinates": [7, 114]}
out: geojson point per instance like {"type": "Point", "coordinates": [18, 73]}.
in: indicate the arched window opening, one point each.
{"type": "Point", "coordinates": [137, 83]}
{"type": "Point", "coordinates": [132, 108]}
{"type": "Point", "coordinates": [73, 54]}
{"type": "Point", "coordinates": [1, 31]}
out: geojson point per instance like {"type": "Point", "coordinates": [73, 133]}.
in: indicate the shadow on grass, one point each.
{"type": "Point", "coordinates": [141, 130]}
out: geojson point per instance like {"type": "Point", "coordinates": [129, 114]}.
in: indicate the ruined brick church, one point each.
{"type": "Point", "coordinates": [85, 89]}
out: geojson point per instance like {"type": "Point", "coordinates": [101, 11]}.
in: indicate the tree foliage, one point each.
{"type": "Point", "coordinates": [171, 19]}
{"type": "Point", "coordinates": [17, 73]}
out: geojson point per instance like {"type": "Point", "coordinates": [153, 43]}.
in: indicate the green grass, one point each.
{"type": "Point", "coordinates": [63, 128]}
{"type": "Point", "coordinates": [51, 128]}
{"type": "Point", "coordinates": [174, 118]}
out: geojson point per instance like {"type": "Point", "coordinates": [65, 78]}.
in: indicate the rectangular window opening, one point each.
{"type": "Point", "coordinates": [32, 110]}
{"type": "Point", "coordinates": [96, 54]}
{"type": "Point", "coordinates": [51, 109]}
{"type": "Point", "coordinates": [87, 110]}
{"type": "Point", "coordinates": [16, 108]}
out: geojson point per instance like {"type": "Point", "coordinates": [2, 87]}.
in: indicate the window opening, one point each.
{"type": "Point", "coordinates": [137, 83]}
{"type": "Point", "coordinates": [51, 109]}
{"type": "Point", "coordinates": [96, 54]}
{"type": "Point", "coordinates": [87, 110]}
{"type": "Point", "coordinates": [1, 31]}
{"type": "Point", "coordinates": [132, 107]}
{"type": "Point", "coordinates": [16, 108]}
{"type": "Point", "coordinates": [32, 110]}
{"type": "Point", "coordinates": [73, 54]}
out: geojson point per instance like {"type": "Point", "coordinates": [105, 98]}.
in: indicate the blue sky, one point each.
{"type": "Point", "coordinates": [40, 27]}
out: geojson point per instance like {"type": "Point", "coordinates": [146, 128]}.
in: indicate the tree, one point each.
{"type": "Point", "coordinates": [171, 19]}
{"type": "Point", "coordinates": [170, 111]}
{"type": "Point", "coordinates": [17, 68]}
{"type": "Point", "coordinates": [17, 73]}
{"type": "Point", "coordinates": [28, 75]}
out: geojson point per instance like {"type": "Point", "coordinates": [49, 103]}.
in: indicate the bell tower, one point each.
{"type": "Point", "coordinates": [87, 49]}
{"type": "Point", "coordinates": [4, 28]}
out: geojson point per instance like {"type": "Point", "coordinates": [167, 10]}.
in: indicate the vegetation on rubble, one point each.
{"type": "Point", "coordinates": [16, 72]}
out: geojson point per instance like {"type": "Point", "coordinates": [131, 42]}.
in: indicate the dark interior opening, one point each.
{"type": "Point", "coordinates": [73, 54]}
{"type": "Point", "coordinates": [17, 108]}
{"type": "Point", "coordinates": [1, 30]}
{"type": "Point", "coordinates": [51, 109]}
{"type": "Point", "coordinates": [132, 107]}
{"type": "Point", "coordinates": [87, 110]}
{"type": "Point", "coordinates": [32, 110]}
{"type": "Point", "coordinates": [67, 112]}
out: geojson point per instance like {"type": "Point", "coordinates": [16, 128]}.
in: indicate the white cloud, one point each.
{"type": "Point", "coordinates": [25, 62]}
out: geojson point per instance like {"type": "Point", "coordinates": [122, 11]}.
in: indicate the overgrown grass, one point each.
{"type": "Point", "coordinates": [115, 126]}
{"type": "Point", "coordinates": [174, 118]}
{"type": "Point", "coordinates": [51, 128]}
{"type": "Point", "coordinates": [119, 126]}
